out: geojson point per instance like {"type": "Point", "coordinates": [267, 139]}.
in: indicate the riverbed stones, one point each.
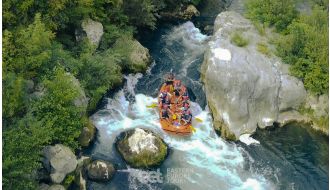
{"type": "Point", "coordinates": [93, 30]}
{"type": "Point", "coordinates": [100, 171]}
{"type": "Point", "coordinates": [245, 88]}
{"type": "Point", "coordinates": [59, 161]}
{"type": "Point", "coordinates": [141, 148]}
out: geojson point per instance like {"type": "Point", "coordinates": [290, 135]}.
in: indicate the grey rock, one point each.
{"type": "Point", "coordinates": [43, 186]}
{"type": "Point", "coordinates": [79, 179]}
{"type": "Point", "coordinates": [139, 56]}
{"type": "Point", "coordinates": [141, 148]}
{"type": "Point", "coordinates": [59, 160]}
{"type": "Point", "coordinates": [81, 101]}
{"type": "Point", "coordinates": [245, 89]}
{"type": "Point", "coordinates": [100, 171]}
{"type": "Point", "coordinates": [87, 135]}
{"type": "Point", "coordinates": [56, 187]}
{"type": "Point", "coordinates": [93, 30]}
{"type": "Point", "coordinates": [319, 104]}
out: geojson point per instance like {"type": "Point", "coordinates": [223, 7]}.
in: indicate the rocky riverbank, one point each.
{"type": "Point", "coordinates": [247, 87]}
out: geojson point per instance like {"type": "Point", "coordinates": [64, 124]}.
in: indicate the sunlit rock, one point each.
{"type": "Point", "coordinates": [141, 148]}
{"type": "Point", "coordinates": [245, 88]}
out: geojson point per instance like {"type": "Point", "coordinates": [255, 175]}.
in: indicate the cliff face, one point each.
{"type": "Point", "coordinates": [244, 87]}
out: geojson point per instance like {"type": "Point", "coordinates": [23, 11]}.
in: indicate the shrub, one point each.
{"type": "Point", "coordinates": [263, 48]}
{"type": "Point", "coordinates": [237, 39]}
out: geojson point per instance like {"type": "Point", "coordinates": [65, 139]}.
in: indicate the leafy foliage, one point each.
{"type": "Point", "coordinates": [305, 47]}
{"type": "Point", "coordinates": [304, 40]}
{"type": "Point", "coordinates": [277, 13]}
{"type": "Point", "coordinates": [41, 64]}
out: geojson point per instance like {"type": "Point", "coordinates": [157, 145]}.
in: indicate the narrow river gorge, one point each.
{"type": "Point", "coordinates": [292, 157]}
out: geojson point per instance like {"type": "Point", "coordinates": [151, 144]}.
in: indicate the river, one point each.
{"type": "Point", "coordinates": [293, 157]}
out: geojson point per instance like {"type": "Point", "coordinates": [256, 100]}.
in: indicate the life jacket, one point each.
{"type": "Point", "coordinates": [186, 114]}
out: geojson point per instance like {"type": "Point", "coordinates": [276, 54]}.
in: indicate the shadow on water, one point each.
{"type": "Point", "coordinates": [293, 157]}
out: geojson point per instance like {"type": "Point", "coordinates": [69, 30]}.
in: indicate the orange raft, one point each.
{"type": "Point", "coordinates": [173, 125]}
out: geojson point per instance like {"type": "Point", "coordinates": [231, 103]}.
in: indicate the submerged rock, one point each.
{"type": "Point", "coordinates": [59, 160]}
{"type": "Point", "coordinates": [244, 87]}
{"type": "Point", "coordinates": [141, 148]}
{"type": "Point", "coordinates": [100, 171]}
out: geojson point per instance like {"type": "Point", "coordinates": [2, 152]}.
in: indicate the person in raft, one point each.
{"type": "Point", "coordinates": [165, 111]}
{"type": "Point", "coordinates": [165, 97]}
{"type": "Point", "coordinates": [186, 116]}
{"type": "Point", "coordinates": [179, 90]}
{"type": "Point", "coordinates": [169, 79]}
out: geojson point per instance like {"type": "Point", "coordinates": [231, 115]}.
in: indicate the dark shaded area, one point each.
{"type": "Point", "coordinates": [293, 157]}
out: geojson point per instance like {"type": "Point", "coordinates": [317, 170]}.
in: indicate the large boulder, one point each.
{"type": "Point", "coordinates": [81, 101]}
{"type": "Point", "coordinates": [87, 134]}
{"type": "Point", "coordinates": [93, 30]}
{"type": "Point", "coordinates": [56, 187]}
{"type": "Point", "coordinates": [100, 171]}
{"type": "Point", "coordinates": [79, 175]}
{"type": "Point", "coordinates": [319, 104]}
{"type": "Point", "coordinates": [244, 87]}
{"type": "Point", "coordinates": [137, 58]}
{"type": "Point", "coordinates": [59, 161]}
{"type": "Point", "coordinates": [141, 148]}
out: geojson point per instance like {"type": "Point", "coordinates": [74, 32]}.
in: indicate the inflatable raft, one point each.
{"type": "Point", "coordinates": [173, 125]}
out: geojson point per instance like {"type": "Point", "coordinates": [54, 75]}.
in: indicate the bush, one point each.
{"type": "Point", "coordinates": [57, 109]}
{"type": "Point", "coordinates": [263, 48]}
{"type": "Point", "coordinates": [277, 13]}
{"type": "Point", "coordinates": [237, 39]}
{"type": "Point", "coordinates": [99, 73]}
{"type": "Point", "coordinates": [305, 47]}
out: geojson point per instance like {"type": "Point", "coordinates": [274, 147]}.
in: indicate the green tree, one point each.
{"type": "Point", "coordinates": [140, 13]}
{"type": "Point", "coordinates": [56, 107]}
{"type": "Point", "coordinates": [22, 145]}
{"type": "Point", "coordinates": [277, 13]}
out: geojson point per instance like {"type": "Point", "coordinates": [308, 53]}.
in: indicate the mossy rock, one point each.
{"type": "Point", "coordinates": [145, 157]}
{"type": "Point", "coordinates": [87, 134]}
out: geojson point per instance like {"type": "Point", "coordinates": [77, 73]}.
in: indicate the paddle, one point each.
{"type": "Point", "coordinates": [193, 129]}
{"type": "Point", "coordinates": [153, 105]}
{"type": "Point", "coordinates": [198, 119]}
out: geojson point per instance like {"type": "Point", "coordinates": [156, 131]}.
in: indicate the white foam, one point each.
{"type": "Point", "coordinates": [222, 54]}
{"type": "Point", "coordinates": [220, 162]}
{"type": "Point", "coordinates": [245, 138]}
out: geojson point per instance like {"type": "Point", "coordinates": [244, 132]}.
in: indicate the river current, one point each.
{"type": "Point", "coordinates": [293, 157]}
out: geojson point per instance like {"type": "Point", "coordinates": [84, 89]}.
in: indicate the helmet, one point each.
{"type": "Point", "coordinates": [177, 83]}
{"type": "Point", "coordinates": [170, 77]}
{"type": "Point", "coordinates": [165, 106]}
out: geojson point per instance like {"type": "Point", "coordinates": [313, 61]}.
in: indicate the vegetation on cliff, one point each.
{"type": "Point", "coordinates": [304, 40]}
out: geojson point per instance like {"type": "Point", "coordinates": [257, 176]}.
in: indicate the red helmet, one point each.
{"type": "Point", "coordinates": [177, 83]}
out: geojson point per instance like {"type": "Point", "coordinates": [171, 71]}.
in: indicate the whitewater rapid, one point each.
{"type": "Point", "coordinates": [205, 160]}
{"type": "Point", "coordinates": [214, 162]}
